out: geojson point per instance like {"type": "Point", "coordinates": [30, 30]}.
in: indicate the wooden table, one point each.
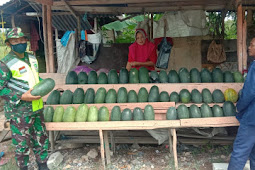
{"type": "Point", "coordinates": [172, 125]}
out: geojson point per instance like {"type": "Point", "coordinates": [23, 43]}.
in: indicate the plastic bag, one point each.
{"type": "Point", "coordinates": [216, 53]}
{"type": "Point", "coordinates": [164, 54]}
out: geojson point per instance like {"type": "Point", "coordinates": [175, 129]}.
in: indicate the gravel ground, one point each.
{"type": "Point", "coordinates": [132, 157]}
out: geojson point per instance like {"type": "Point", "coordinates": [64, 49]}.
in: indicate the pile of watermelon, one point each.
{"type": "Point", "coordinates": [183, 112]}
{"type": "Point", "coordinates": [92, 114]}
{"type": "Point", "coordinates": [79, 96]}
{"type": "Point", "coordinates": [144, 76]}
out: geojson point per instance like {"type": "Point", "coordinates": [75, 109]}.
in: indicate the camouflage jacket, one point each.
{"type": "Point", "coordinates": [14, 106]}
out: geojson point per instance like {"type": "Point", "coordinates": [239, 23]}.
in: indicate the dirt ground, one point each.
{"type": "Point", "coordinates": [130, 157]}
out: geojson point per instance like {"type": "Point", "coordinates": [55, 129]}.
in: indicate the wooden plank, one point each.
{"type": "Point", "coordinates": [93, 2]}
{"type": "Point", "coordinates": [52, 141]}
{"type": "Point", "coordinates": [210, 122]}
{"type": "Point", "coordinates": [117, 125]}
{"type": "Point", "coordinates": [131, 10]}
{"type": "Point", "coordinates": [170, 139]}
{"type": "Point", "coordinates": [70, 8]}
{"type": "Point", "coordinates": [239, 37]}
{"type": "Point", "coordinates": [244, 45]}
{"type": "Point", "coordinates": [102, 147]}
{"type": "Point", "coordinates": [107, 148]}
{"type": "Point", "coordinates": [43, 2]}
{"type": "Point", "coordinates": [50, 40]}
{"type": "Point", "coordinates": [45, 38]}
{"type": "Point", "coordinates": [173, 131]}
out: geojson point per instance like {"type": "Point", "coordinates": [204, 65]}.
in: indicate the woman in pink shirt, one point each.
{"type": "Point", "coordinates": [142, 53]}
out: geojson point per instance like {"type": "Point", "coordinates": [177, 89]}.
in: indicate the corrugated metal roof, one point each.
{"type": "Point", "coordinates": [16, 7]}
{"type": "Point", "coordinates": [62, 22]}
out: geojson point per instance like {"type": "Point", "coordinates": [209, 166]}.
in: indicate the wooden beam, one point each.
{"type": "Point", "coordinates": [13, 21]}
{"type": "Point", "coordinates": [50, 40]}
{"type": "Point", "coordinates": [239, 36]}
{"type": "Point", "coordinates": [104, 2]}
{"type": "Point", "coordinates": [244, 34]}
{"type": "Point", "coordinates": [132, 10]}
{"type": "Point", "coordinates": [102, 147]}
{"type": "Point", "coordinates": [45, 38]}
{"type": "Point", "coordinates": [43, 2]}
{"type": "Point", "coordinates": [249, 17]}
{"type": "Point", "coordinates": [69, 8]}
{"type": "Point", "coordinates": [117, 125]}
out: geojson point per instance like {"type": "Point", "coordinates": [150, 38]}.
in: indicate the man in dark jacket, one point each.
{"type": "Point", "coordinates": [244, 145]}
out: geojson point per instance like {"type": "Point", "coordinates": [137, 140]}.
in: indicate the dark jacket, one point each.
{"type": "Point", "coordinates": [246, 103]}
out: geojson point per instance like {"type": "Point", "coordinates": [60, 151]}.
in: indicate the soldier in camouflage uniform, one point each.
{"type": "Point", "coordinates": [18, 75]}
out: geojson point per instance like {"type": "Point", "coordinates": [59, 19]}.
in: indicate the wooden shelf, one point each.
{"type": "Point", "coordinates": [113, 125]}
{"type": "Point", "coordinates": [144, 125]}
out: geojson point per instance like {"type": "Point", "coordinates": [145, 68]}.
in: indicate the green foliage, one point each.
{"type": "Point", "coordinates": [126, 29]}
{"type": "Point", "coordinates": [214, 22]}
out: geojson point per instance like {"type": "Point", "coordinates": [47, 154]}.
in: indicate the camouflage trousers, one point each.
{"type": "Point", "coordinates": [29, 132]}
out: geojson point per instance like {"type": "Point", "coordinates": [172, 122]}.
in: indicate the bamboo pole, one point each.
{"type": "Point", "coordinates": [239, 36]}
{"type": "Point", "coordinates": [45, 38]}
{"type": "Point", "coordinates": [50, 40]}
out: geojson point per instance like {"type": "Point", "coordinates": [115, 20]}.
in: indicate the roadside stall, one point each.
{"type": "Point", "coordinates": [132, 100]}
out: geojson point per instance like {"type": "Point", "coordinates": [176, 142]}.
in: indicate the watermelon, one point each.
{"type": "Point", "coordinates": [153, 94]}
{"type": "Point", "coordinates": [43, 87]}
{"type": "Point", "coordinates": [144, 75]}
{"type": "Point", "coordinates": [48, 113]}
{"type": "Point", "coordinates": [133, 76]}
{"type": "Point", "coordinates": [184, 75]}
{"type": "Point", "coordinates": [230, 95]}
{"type": "Point", "coordinates": [195, 111]}
{"type": "Point", "coordinates": [89, 96]}
{"type": "Point", "coordinates": [183, 112]}
{"type": "Point", "coordinates": [103, 114]}
{"type": "Point", "coordinates": [92, 78]}
{"type": "Point", "coordinates": [100, 95]}
{"type": "Point", "coordinates": [173, 77]}
{"type": "Point", "coordinates": [82, 78]}
{"type": "Point", "coordinates": [53, 98]}
{"type": "Point", "coordinates": [138, 114]}
{"type": "Point", "coordinates": [126, 115]}
{"type": "Point", "coordinates": [149, 113]}
{"type": "Point", "coordinates": [93, 114]}
{"type": "Point", "coordinates": [185, 96]}
{"type": "Point", "coordinates": [102, 78]}
{"type": "Point", "coordinates": [163, 78]}
{"type": "Point", "coordinates": [69, 114]}
{"type": "Point", "coordinates": [82, 113]}
{"type": "Point", "coordinates": [195, 76]}
{"type": "Point", "coordinates": [171, 113]}
{"type": "Point", "coordinates": [123, 76]}
{"type": "Point", "coordinates": [116, 113]}
{"type": "Point", "coordinates": [71, 78]}
{"type": "Point", "coordinates": [58, 114]}
{"type": "Point", "coordinates": [113, 77]}
{"type": "Point", "coordinates": [142, 95]}
{"type": "Point", "coordinates": [67, 97]}
{"type": "Point", "coordinates": [78, 96]}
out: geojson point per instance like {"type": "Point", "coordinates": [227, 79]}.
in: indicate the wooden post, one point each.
{"type": "Point", "coordinates": [50, 40]}
{"type": "Point", "coordinates": [107, 149]}
{"type": "Point", "coordinates": [45, 38]}
{"type": "Point", "coordinates": [52, 141]}
{"type": "Point", "coordinates": [239, 36]}
{"type": "Point", "coordinates": [175, 148]}
{"type": "Point", "coordinates": [102, 146]}
{"type": "Point", "coordinates": [249, 17]}
{"type": "Point", "coordinates": [13, 21]}
{"type": "Point", "coordinates": [244, 44]}
{"type": "Point", "coordinates": [79, 27]}
{"type": "Point", "coordinates": [151, 26]}
{"type": "Point", "coordinates": [95, 24]}
{"type": "Point", "coordinates": [170, 141]}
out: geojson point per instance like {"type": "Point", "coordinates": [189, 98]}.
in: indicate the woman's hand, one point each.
{"type": "Point", "coordinates": [128, 66]}
{"type": "Point", "coordinates": [29, 97]}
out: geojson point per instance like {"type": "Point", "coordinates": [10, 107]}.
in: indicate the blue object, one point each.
{"type": "Point", "coordinates": [1, 154]}
{"type": "Point", "coordinates": [243, 148]}
{"type": "Point", "coordinates": [65, 38]}
{"type": "Point", "coordinates": [19, 48]}
{"type": "Point", "coordinates": [83, 35]}
{"type": "Point", "coordinates": [246, 103]}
